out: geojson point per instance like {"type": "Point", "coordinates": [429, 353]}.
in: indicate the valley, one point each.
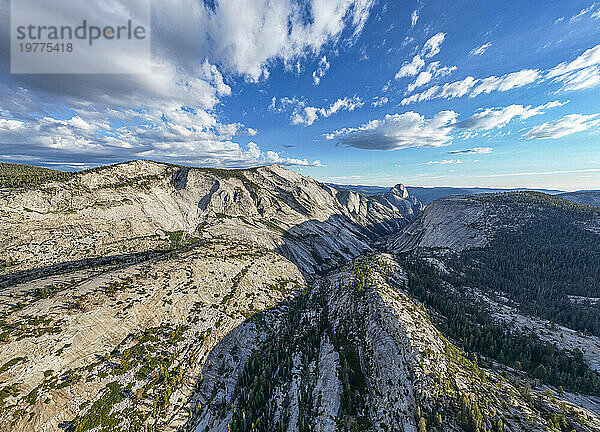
{"type": "Point", "coordinates": [156, 297]}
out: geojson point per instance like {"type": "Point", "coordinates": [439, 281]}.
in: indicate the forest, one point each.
{"type": "Point", "coordinates": [20, 175]}
{"type": "Point", "coordinates": [541, 255]}
{"type": "Point", "coordinates": [467, 321]}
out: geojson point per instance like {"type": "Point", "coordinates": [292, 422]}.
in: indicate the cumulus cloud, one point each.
{"type": "Point", "coordinates": [182, 136]}
{"type": "Point", "coordinates": [411, 129]}
{"type": "Point", "coordinates": [399, 131]}
{"type": "Point", "coordinates": [474, 86]}
{"type": "Point", "coordinates": [433, 70]}
{"type": "Point", "coordinates": [272, 157]}
{"type": "Point", "coordinates": [480, 50]}
{"type": "Point", "coordinates": [496, 118]}
{"type": "Point", "coordinates": [412, 68]}
{"type": "Point", "coordinates": [432, 46]}
{"type": "Point", "coordinates": [245, 36]}
{"type": "Point", "coordinates": [307, 115]}
{"type": "Point", "coordinates": [321, 70]}
{"type": "Point", "coordinates": [171, 113]}
{"type": "Point", "coordinates": [475, 150]}
{"type": "Point", "coordinates": [567, 125]}
{"type": "Point", "coordinates": [581, 73]}
{"type": "Point", "coordinates": [590, 57]}
{"type": "Point", "coordinates": [379, 101]}
{"type": "Point", "coordinates": [581, 79]}
{"type": "Point", "coordinates": [506, 82]}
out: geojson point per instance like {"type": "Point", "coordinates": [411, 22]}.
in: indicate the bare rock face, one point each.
{"type": "Point", "coordinates": [457, 223]}
{"type": "Point", "coordinates": [135, 206]}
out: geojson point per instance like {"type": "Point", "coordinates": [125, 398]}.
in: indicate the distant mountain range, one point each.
{"type": "Point", "coordinates": [590, 197]}
{"type": "Point", "coordinates": [429, 194]}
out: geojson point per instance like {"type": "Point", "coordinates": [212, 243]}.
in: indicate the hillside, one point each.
{"type": "Point", "coordinates": [139, 206]}
{"type": "Point", "coordinates": [147, 296]}
{"type": "Point", "coordinates": [20, 175]}
{"type": "Point", "coordinates": [591, 198]}
{"type": "Point", "coordinates": [527, 262]}
{"type": "Point", "coordinates": [152, 264]}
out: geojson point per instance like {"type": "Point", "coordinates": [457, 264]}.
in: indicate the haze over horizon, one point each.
{"type": "Point", "coordinates": [350, 91]}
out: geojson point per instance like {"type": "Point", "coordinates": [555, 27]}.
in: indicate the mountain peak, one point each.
{"type": "Point", "coordinates": [400, 190]}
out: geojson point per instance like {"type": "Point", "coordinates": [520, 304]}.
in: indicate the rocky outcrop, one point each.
{"type": "Point", "coordinates": [123, 284]}
{"type": "Point", "coordinates": [457, 223]}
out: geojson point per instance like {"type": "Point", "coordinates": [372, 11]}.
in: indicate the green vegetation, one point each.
{"type": "Point", "coordinates": [100, 411]}
{"type": "Point", "coordinates": [274, 227]}
{"type": "Point", "coordinates": [540, 200]}
{"type": "Point", "coordinates": [5, 392]}
{"type": "Point", "coordinates": [140, 182]}
{"type": "Point", "coordinates": [180, 239]}
{"type": "Point", "coordinates": [28, 326]}
{"type": "Point", "coordinates": [466, 320]}
{"type": "Point", "coordinates": [239, 174]}
{"type": "Point", "coordinates": [541, 255]}
{"type": "Point", "coordinates": [6, 366]}
{"type": "Point", "coordinates": [272, 365]}
{"type": "Point", "coordinates": [150, 366]}
{"type": "Point", "coordinates": [21, 176]}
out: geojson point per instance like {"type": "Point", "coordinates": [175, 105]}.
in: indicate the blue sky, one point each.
{"type": "Point", "coordinates": [426, 93]}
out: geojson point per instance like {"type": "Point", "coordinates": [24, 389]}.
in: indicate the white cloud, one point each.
{"type": "Point", "coordinates": [410, 129]}
{"type": "Point", "coordinates": [474, 86]}
{"type": "Point", "coordinates": [181, 136]}
{"type": "Point", "coordinates": [379, 101]}
{"type": "Point", "coordinates": [445, 162]}
{"type": "Point", "coordinates": [475, 150]}
{"type": "Point", "coordinates": [321, 70]}
{"type": "Point", "coordinates": [506, 82]}
{"type": "Point", "coordinates": [496, 118]}
{"type": "Point", "coordinates": [414, 18]}
{"type": "Point", "coordinates": [412, 68]}
{"type": "Point", "coordinates": [399, 131]}
{"type": "Point", "coordinates": [307, 115]}
{"type": "Point", "coordinates": [480, 50]}
{"type": "Point", "coordinates": [432, 46]}
{"type": "Point", "coordinates": [593, 11]}
{"type": "Point", "coordinates": [590, 57]}
{"type": "Point", "coordinates": [567, 125]}
{"type": "Point", "coordinates": [434, 70]}
{"type": "Point", "coordinates": [272, 157]}
{"type": "Point", "coordinates": [581, 73]}
{"type": "Point", "coordinates": [170, 113]}
{"type": "Point", "coordinates": [245, 36]}
{"type": "Point", "coordinates": [584, 78]}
